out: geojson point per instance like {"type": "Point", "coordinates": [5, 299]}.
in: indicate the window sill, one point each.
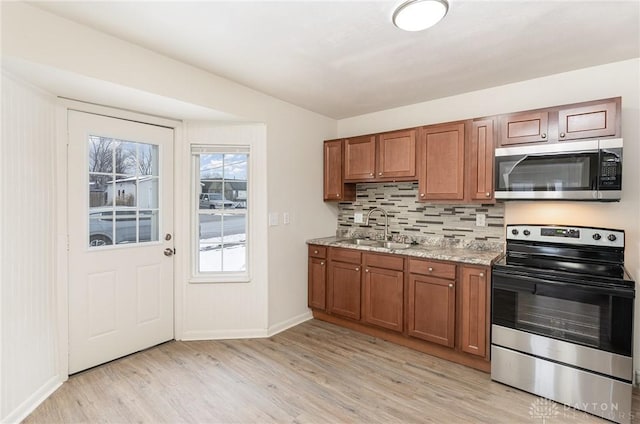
{"type": "Point", "coordinates": [220, 279]}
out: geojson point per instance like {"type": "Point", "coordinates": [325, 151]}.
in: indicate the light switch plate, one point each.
{"type": "Point", "coordinates": [273, 219]}
{"type": "Point", "coordinates": [358, 217]}
{"type": "Point", "coordinates": [481, 220]}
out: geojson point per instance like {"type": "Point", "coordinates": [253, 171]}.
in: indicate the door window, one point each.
{"type": "Point", "coordinates": [123, 192]}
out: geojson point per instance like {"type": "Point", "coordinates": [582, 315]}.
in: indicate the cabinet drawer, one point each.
{"type": "Point", "coordinates": [384, 261]}
{"type": "Point", "coordinates": [345, 255]}
{"type": "Point", "coordinates": [316, 251]}
{"type": "Point", "coordinates": [436, 269]}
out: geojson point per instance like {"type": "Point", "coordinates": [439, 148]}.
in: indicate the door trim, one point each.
{"type": "Point", "coordinates": [61, 213]}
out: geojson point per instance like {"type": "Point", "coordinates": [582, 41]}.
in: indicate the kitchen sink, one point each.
{"type": "Point", "coordinates": [376, 243]}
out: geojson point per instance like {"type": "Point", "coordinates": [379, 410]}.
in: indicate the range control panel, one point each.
{"type": "Point", "coordinates": [587, 236]}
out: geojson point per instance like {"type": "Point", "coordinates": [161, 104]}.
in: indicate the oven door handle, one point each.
{"type": "Point", "coordinates": [533, 285]}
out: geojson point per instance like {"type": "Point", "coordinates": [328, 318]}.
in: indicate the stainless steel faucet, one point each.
{"type": "Point", "coordinates": [386, 221]}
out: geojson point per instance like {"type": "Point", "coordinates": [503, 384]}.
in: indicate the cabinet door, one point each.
{"type": "Point", "coordinates": [431, 310]}
{"type": "Point", "coordinates": [525, 127]}
{"type": "Point", "coordinates": [383, 297]}
{"type": "Point", "coordinates": [481, 152]}
{"type": "Point", "coordinates": [334, 187]}
{"type": "Point", "coordinates": [597, 120]}
{"type": "Point", "coordinates": [441, 157]}
{"type": "Point", "coordinates": [317, 283]}
{"type": "Point", "coordinates": [397, 155]}
{"type": "Point", "coordinates": [344, 289]}
{"type": "Point", "coordinates": [474, 287]}
{"type": "Point", "coordinates": [360, 158]}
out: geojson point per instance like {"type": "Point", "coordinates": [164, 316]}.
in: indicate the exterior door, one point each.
{"type": "Point", "coordinates": [120, 213]}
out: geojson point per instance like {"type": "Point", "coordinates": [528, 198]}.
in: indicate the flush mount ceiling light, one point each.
{"type": "Point", "coordinates": [416, 15]}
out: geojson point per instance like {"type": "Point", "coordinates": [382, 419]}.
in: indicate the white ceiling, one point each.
{"type": "Point", "coordinates": [345, 58]}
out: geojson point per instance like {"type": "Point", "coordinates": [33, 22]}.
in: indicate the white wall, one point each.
{"type": "Point", "coordinates": [612, 80]}
{"type": "Point", "coordinates": [28, 319]}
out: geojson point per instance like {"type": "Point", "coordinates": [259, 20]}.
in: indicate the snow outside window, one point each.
{"type": "Point", "coordinates": [221, 186]}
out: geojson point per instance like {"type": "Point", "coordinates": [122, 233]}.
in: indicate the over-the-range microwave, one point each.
{"type": "Point", "coordinates": [581, 170]}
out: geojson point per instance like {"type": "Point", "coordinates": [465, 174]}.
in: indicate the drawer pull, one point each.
{"type": "Point", "coordinates": [430, 269]}
{"type": "Point", "coordinates": [315, 252]}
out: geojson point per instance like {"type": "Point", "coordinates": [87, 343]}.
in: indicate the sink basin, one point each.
{"type": "Point", "coordinates": [376, 243]}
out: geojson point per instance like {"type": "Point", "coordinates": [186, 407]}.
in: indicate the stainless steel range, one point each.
{"type": "Point", "coordinates": [562, 317]}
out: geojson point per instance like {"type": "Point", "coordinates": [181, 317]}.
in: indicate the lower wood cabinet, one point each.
{"type": "Point", "coordinates": [474, 310]}
{"type": "Point", "coordinates": [344, 276]}
{"type": "Point", "coordinates": [438, 307]}
{"type": "Point", "coordinates": [431, 312]}
{"type": "Point", "coordinates": [383, 291]}
{"type": "Point", "coordinates": [317, 283]}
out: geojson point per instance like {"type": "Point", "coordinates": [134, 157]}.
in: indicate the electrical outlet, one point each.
{"type": "Point", "coordinates": [285, 218]}
{"type": "Point", "coordinates": [273, 219]}
{"type": "Point", "coordinates": [481, 220]}
{"type": "Point", "coordinates": [358, 217]}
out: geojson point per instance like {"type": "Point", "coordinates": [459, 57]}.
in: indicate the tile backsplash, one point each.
{"type": "Point", "coordinates": [412, 220]}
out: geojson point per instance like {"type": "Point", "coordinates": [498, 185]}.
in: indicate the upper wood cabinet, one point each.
{"type": "Point", "coordinates": [593, 120]}
{"type": "Point", "coordinates": [334, 187]}
{"type": "Point", "coordinates": [384, 291]}
{"type": "Point", "coordinates": [474, 309]}
{"type": "Point", "coordinates": [481, 149]}
{"type": "Point", "coordinates": [524, 127]}
{"type": "Point", "coordinates": [441, 155]}
{"type": "Point", "coordinates": [360, 158]}
{"type": "Point", "coordinates": [385, 157]}
{"type": "Point", "coordinates": [397, 155]}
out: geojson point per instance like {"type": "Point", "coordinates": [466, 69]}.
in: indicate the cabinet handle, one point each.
{"type": "Point", "coordinates": [338, 195]}
{"type": "Point", "coordinates": [371, 174]}
{"type": "Point", "coordinates": [421, 194]}
{"type": "Point", "coordinates": [482, 275]}
{"type": "Point", "coordinates": [321, 263]}
{"type": "Point", "coordinates": [315, 252]}
{"type": "Point", "coordinates": [366, 270]}
{"type": "Point", "coordinates": [544, 135]}
{"type": "Point", "coordinates": [357, 269]}
{"type": "Point", "coordinates": [430, 269]}
{"type": "Point", "coordinates": [488, 194]}
{"type": "Point", "coordinates": [380, 173]}
{"type": "Point", "coordinates": [562, 135]}
{"type": "Point", "coordinates": [450, 285]}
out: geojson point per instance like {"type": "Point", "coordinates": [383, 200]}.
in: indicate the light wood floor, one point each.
{"type": "Point", "coordinates": [313, 373]}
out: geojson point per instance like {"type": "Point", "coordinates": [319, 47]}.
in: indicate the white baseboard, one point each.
{"type": "Point", "coordinates": [250, 333]}
{"type": "Point", "coordinates": [292, 322]}
{"type": "Point", "coordinates": [33, 401]}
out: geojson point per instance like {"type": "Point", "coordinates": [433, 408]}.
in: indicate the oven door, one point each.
{"type": "Point", "coordinates": [585, 314]}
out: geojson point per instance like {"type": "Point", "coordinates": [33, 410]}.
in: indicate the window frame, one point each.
{"type": "Point", "coordinates": [197, 276]}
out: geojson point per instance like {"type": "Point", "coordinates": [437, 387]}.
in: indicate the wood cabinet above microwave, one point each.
{"type": "Point", "coordinates": [599, 118]}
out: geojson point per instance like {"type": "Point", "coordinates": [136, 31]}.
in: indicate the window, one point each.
{"type": "Point", "coordinates": [123, 192]}
{"type": "Point", "coordinates": [221, 208]}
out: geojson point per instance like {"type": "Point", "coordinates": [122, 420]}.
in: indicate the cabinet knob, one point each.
{"type": "Point", "coordinates": [315, 252]}
{"type": "Point", "coordinates": [371, 174]}
{"type": "Point", "coordinates": [488, 194]}
{"type": "Point", "coordinates": [337, 194]}
{"type": "Point", "coordinates": [321, 263]}
{"type": "Point", "coordinates": [357, 269]}
{"type": "Point", "coordinates": [421, 194]}
{"type": "Point", "coordinates": [380, 173]}
{"type": "Point", "coordinates": [543, 135]}
{"type": "Point", "coordinates": [450, 285]}
{"type": "Point", "coordinates": [430, 269]}
{"type": "Point", "coordinates": [366, 270]}
{"type": "Point", "coordinates": [562, 135]}
{"type": "Point", "coordinates": [482, 275]}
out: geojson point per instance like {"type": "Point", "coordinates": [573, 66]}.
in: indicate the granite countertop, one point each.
{"type": "Point", "coordinates": [476, 254]}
